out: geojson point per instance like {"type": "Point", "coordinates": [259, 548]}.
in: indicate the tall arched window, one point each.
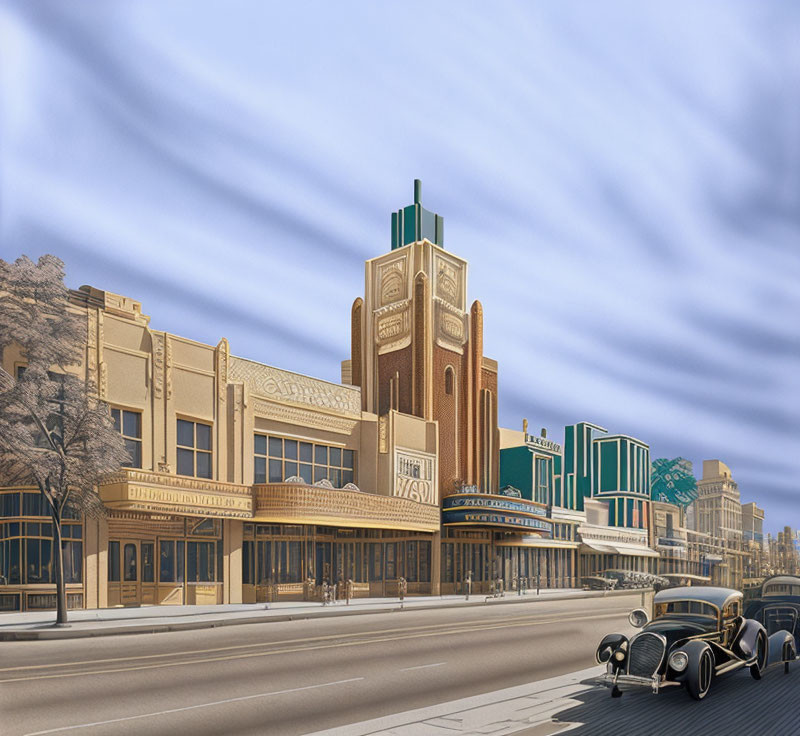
{"type": "Point", "coordinates": [449, 380]}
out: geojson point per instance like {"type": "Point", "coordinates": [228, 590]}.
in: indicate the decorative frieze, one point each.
{"type": "Point", "coordinates": [282, 503]}
{"type": "Point", "coordinates": [304, 417]}
{"type": "Point", "coordinates": [285, 386]}
{"type": "Point", "coordinates": [222, 353]}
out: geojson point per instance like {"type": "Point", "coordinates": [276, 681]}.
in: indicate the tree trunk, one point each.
{"type": "Point", "coordinates": [58, 559]}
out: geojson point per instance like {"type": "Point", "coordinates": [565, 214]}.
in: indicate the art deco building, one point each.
{"type": "Point", "coordinates": [248, 482]}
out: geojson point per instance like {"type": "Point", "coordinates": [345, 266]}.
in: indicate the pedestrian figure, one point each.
{"type": "Point", "coordinates": [349, 590]}
{"type": "Point", "coordinates": [327, 592]}
{"type": "Point", "coordinates": [402, 588]}
{"type": "Point", "coordinates": [469, 583]}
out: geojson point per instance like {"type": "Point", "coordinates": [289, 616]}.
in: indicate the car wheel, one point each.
{"type": "Point", "coordinates": [757, 669]}
{"type": "Point", "coordinates": [700, 674]}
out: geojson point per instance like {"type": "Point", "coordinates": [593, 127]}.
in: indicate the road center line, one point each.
{"type": "Point", "coordinates": [194, 707]}
{"type": "Point", "coordinates": [422, 666]}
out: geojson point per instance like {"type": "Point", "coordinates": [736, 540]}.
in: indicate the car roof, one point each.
{"type": "Point", "coordinates": [719, 597]}
{"type": "Point", "coordinates": [783, 580]}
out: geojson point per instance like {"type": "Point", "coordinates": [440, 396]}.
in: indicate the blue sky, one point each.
{"type": "Point", "coordinates": [623, 177]}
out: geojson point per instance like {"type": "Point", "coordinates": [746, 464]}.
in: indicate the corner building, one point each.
{"type": "Point", "coordinates": [250, 483]}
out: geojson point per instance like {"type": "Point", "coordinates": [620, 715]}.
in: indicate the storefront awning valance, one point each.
{"type": "Point", "coordinates": [619, 548]}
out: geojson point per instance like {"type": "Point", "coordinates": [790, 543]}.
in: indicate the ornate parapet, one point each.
{"type": "Point", "coordinates": [132, 489]}
{"type": "Point", "coordinates": [293, 388]}
{"type": "Point", "coordinates": [295, 503]}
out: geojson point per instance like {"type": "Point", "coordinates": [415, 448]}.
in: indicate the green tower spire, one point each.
{"type": "Point", "coordinates": [414, 223]}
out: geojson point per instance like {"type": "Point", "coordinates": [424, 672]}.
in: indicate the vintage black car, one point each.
{"type": "Point", "coordinates": [697, 634]}
{"type": "Point", "coordinates": [777, 608]}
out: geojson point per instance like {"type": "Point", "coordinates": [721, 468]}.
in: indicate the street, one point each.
{"type": "Point", "coordinates": [295, 677]}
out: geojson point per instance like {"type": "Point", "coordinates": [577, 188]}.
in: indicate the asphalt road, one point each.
{"type": "Point", "coordinates": [294, 677]}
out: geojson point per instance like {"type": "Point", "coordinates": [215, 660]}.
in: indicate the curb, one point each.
{"type": "Point", "coordinates": [65, 633]}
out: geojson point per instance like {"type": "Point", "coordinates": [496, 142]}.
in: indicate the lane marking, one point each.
{"type": "Point", "coordinates": [194, 707]}
{"type": "Point", "coordinates": [289, 650]}
{"type": "Point", "coordinates": [422, 666]}
{"type": "Point", "coordinates": [468, 626]}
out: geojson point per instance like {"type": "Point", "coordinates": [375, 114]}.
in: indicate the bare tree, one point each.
{"type": "Point", "coordinates": [54, 431]}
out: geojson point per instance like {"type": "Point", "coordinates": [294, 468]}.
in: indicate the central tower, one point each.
{"type": "Point", "coordinates": [415, 348]}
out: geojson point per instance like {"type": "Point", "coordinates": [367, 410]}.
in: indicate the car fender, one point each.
{"type": "Point", "coordinates": [693, 648]}
{"type": "Point", "coordinates": [779, 643]}
{"type": "Point", "coordinates": [614, 641]}
{"type": "Point", "coordinates": [746, 641]}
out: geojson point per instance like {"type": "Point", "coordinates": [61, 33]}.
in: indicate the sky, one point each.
{"type": "Point", "coordinates": [623, 178]}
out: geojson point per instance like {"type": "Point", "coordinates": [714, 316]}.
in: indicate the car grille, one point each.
{"type": "Point", "coordinates": [645, 655]}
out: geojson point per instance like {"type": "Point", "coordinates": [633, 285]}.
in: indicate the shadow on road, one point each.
{"type": "Point", "coordinates": [737, 704]}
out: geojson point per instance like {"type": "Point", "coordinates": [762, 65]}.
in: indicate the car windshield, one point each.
{"type": "Point", "coordinates": [686, 608]}
{"type": "Point", "coordinates": [781, 589]}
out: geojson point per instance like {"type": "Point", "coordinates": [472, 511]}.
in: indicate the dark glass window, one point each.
{"type": "Point", "coordinates": [194, 449]}
{"type": "Point", "coordinates": [129, 425]}
{"type": "Point", "coordinates": [166, 557]}
{"type": "Point", "coordinates": [113, 562]}
{"type": "Point", "coordinates": [316, 462]}
{"type": "Point", "coordinates": [34, 504]}
{"type": "Point", "coordinates": [260, 444]}
{"type": "Point", "coordinates": [10, 571]}
{"type": "Point", "coordinates": [73, 562]}
{"type": "Point", "coordinates": [129, 573]}
{"type": "Point", "coordinates": [39, 561]}
{"type": "Point", "coordinates": [248, 563]}
{"type": "Point", "coordinates": [259, 470]}
{"type": "Point", "coordinates": [9, 504]}
{"type": "Point", "coordinates": [200, 562]}
{"type": "Point", "coordinates": [148, 566]}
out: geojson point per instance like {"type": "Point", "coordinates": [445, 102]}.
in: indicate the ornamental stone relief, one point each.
{"type": "Point", "coordinates": [284, 386]}
{"type": "Point", "coordinates": [393, 327]}
{"type": "Point", "coordinates": [293, 415]}
{"type": "Point", "coordinates": [449, 281]}
{"type": "Point", "coordinates": [414, 476]}
{"type": "Point", "coordinates": [392, 281]}
{"type": "Point", "coordinates": [158, 365]}
{"type": "Point", "coordinates": [451, 326]}
{"type": "Point", "coordinates": [223, 351]}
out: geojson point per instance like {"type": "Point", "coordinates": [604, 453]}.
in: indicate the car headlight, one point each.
{"type": "Point", "coordinates": [678, 661]}
{"type": "Point", "coordinates": [619, 655]}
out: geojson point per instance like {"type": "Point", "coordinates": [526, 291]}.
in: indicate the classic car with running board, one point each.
{"type": "Point", "coordinates": [697, 634]}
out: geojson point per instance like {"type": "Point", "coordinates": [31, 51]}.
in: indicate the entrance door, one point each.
{"type": "Point", "coordinates": [147, 572]}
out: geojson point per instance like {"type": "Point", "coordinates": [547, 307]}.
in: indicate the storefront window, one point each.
{"type": "Point", "coordinates": [113, 562]}
{"type": "Point", "coordinates": [248, 563]}
{"type": "Point", "coordinates": [148, 567]}
{"type": "Point", "coordinates": [171, 561]}
{"type": "Point", "coordinates": [9, 560]}
{"type": "Point", "coordinates": [200, 562]}
{"type": "Point", "coordinates": [129, 563]}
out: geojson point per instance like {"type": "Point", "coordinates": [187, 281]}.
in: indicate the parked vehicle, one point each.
{"type": "Point", "coordinates": [697, 634]}
{"type": "Point", "coordinates": [777, 608]}
{"type": "Point", "coordinates": [598, 582]}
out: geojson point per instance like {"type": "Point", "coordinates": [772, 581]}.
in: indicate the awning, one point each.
{"type": "Point", "coordinates": [597, 547]}
{"type": "Point", "coordinates": [635, 550]}
{"type": "Point", "coordinates": [620, 548]}
{"type": "Point", "coordinates": [540, 542]}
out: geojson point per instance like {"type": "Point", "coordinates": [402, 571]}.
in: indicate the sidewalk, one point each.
{"type": "Point", "coordinates": [151, 619]}
{"type": "Point", "coordinates": [525, 709]}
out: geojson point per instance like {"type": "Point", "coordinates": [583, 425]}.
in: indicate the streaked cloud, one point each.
{"type": "Point", "coordinates": [624, 180]}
